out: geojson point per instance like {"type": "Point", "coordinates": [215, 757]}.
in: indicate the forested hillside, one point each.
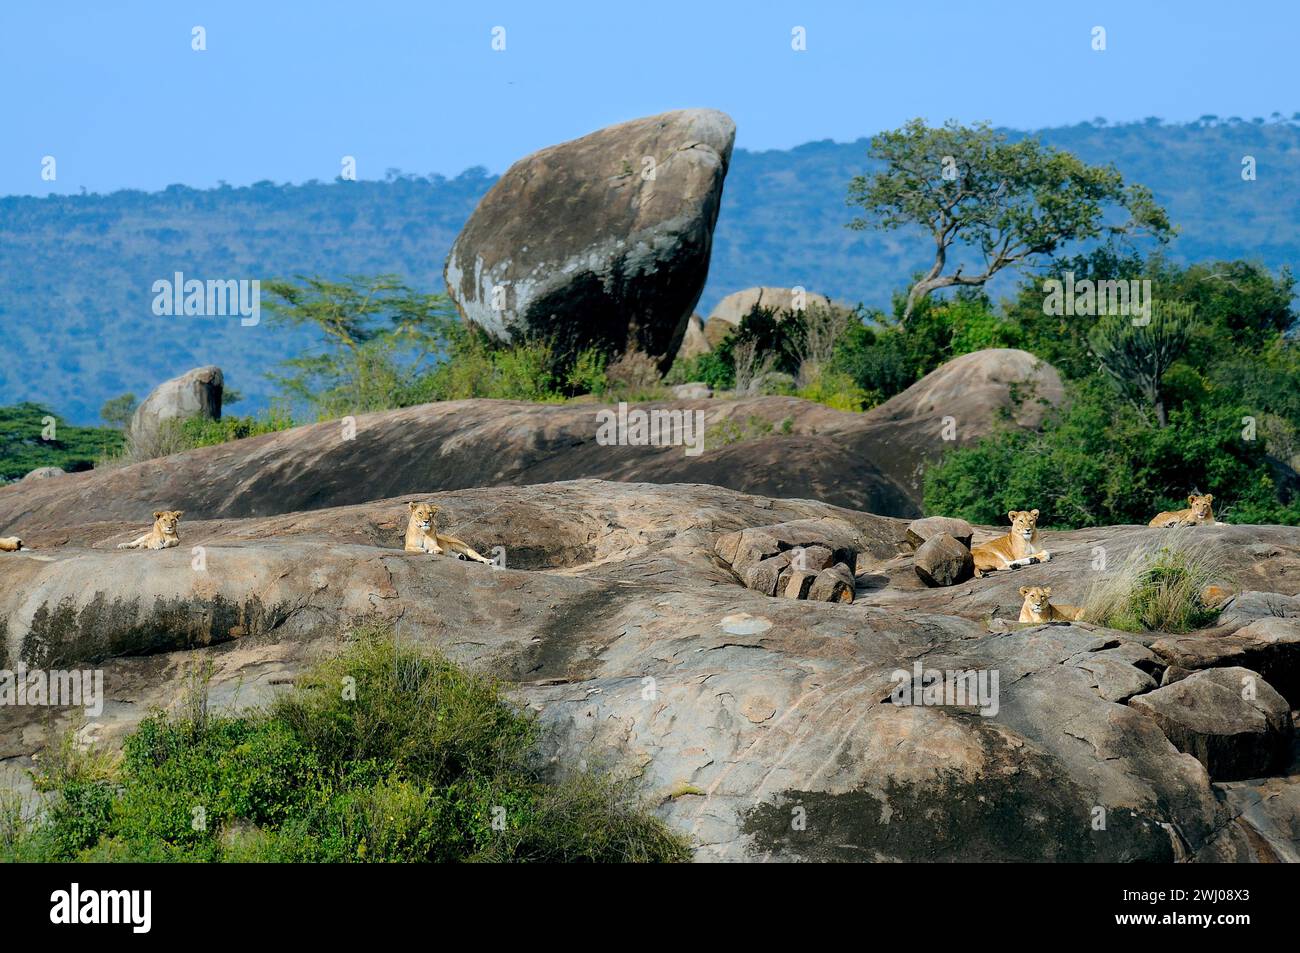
{"type": "Point", "coordinates": [76, 272]}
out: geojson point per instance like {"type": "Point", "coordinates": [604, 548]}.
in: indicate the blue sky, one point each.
{"type": "Point", "coordinates": [284, 90]}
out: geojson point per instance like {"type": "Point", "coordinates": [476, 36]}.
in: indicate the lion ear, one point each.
{"type": "Point", "coordinates": [1011, 515]}
{"type": "Point", "coordinates": [178, 513]}
{"type": "Point", "coordinates": [434, 508]}
{"type": "Point", "coordinates": [1024, 590]}
{"type": "Point", "coordinates": [1191, 497]}
{"type": "Point", "coordinates": [1034, 513]}
{"type": "Point", "coordinates": [412, 505]}
{"type": "Point", "coordinates": [1047, 591]}
{"type": "Point", "coordinates": [159, 514]}
{"type": "Point", "coordinates": [1209, 497]}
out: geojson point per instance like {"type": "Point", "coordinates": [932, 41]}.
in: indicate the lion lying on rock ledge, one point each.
{"type": "Point", "coordinates": [422, 535]}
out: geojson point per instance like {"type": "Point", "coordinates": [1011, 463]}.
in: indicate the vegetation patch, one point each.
{"type": "Point", "coordinates": [1162, 588]}
{"type": "Point", "coordinates": [726, 432]}
{"type": "Point", "coordinates": [381, 754]}
{"type": "Point", "coordinates": [33, 436]}
{"type": "Point", "coordinates": [1201, 399]}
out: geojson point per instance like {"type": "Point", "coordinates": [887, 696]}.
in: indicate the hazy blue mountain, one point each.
{"type": "Point", "coordinates": [76, 272]}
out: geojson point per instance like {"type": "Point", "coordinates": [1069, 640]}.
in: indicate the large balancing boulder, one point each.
{"type": "Point", "coordinates": [601, 241]}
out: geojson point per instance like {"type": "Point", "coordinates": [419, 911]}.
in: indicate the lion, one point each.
{"type": "Point", "coordinates": [422, 535]}
{"type": "Point", "coordinates": [1038, 607]}
{"type": "Point", "coordinates": [162, 536]}
{"type": "Point", "coordinates": [10, 544]}
{"type": "Point", "coordinates": [1198, 513]}
{"type": "Point", "coordinates": [1013, 550]}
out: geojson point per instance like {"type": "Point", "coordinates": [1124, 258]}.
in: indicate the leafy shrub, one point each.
{"type": "Point", "coordinates": [202, 432]}
{"type": "Point", "coordinates": [729, 431]}
{"type": "Point", "coordinates": [177, 436]}
{"type": "Point", "coordinates": [886, 357]}
{"type": "Point", "coordinates": [711, 368]}
{"type": "Point", "coordinates": [836, 389]}
{"type": "Point", "coordinates": [378, 335]}
{"type": "Point", "coordinates": [24, 447]}
{"type": "Point", "coordinates": [764, 341]}
{"type": "Point", "coordinates": [381, 754]}
{"type": "Point", "coordinates": [588, 374]}
{"type": "Point", "coordinates": [1098, 462]}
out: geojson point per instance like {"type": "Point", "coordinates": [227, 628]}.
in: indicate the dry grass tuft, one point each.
{"type": "Point", "coordinates": [1163, 587]}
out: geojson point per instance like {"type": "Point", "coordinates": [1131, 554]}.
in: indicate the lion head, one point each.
{"type": "Point", "coordinates": [1024, 523]}
{"type": "Point", "coordinates": [1200, 506]}
{"type": "Point", "coordinates": [166, 521]}
{"type": "Point", "coordinates": [1037, 599]}
{"type": "Point", "coordinates": [423, 514]}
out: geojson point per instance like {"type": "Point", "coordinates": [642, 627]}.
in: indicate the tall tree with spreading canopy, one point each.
{"type": "Point", "coordinates": [378, 334]}
{"type": "Point", "coordinates": [1014, 202]}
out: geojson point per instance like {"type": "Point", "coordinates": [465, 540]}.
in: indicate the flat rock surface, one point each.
{"type": "Point", "coordinates": [616, 621]}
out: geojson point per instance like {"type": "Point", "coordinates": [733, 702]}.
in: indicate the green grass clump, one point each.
{"type": "Point", "coordinates": [1161, 589]}
{"type": "Point", "coordinates": [836, 390]}
{"type": "Point", "coordinates": [729, 431]}
{"type": "Point", "coordinates": [178, 435]}
{"type": "Point", "coordinates": [379, 755]}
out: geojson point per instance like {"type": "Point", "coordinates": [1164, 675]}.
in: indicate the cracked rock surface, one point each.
{"type": "Point", "coordinates": [763, 728]}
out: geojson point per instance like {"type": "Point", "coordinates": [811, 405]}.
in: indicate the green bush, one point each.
{"type": "Point", "coordinates": [1099, 462]}
{"type": "Point", "coordinates": [178, 436]}
{"type": "Point", "coordinates": [838, 390]}
{"type": "Point", "coordinates": [202, 432]}
{"type": "Point", "coordinates": [588, 376]}
{"type": "Point", "coordinates": [728, 431]}
{"type": "Point", "coordinates": [711, 368]}
{"type": "Point", "coordinates": [381, 754]}
{"type": "Point", "coordinates": [24, 446]}
{"type": "Point", "coordinates": [886, 357]}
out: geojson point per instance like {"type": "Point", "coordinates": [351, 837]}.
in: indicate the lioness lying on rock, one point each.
{"type": "Point", "coordinates": [162, 536]}
{"type": "Point", "coordinates": [1198, 513]}
{"type": "Point", "coordinates": [422, 535]}
{"type": "Point", "coordinates": [1038, 607]}
{"type": "Point", "coordinates": [1013, 550]}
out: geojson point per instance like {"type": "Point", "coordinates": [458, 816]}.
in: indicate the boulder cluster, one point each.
{"type": "Point", "coordinates": [804, 559]}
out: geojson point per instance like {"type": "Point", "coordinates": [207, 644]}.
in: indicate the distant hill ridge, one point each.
{"type": "Point", "coordinates": [76, 271]}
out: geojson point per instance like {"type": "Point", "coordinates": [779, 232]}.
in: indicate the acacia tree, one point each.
{"type": "Point", "coordinates": [378, 334]}
{"type": "Point", "coordinates": [1014, 202]}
